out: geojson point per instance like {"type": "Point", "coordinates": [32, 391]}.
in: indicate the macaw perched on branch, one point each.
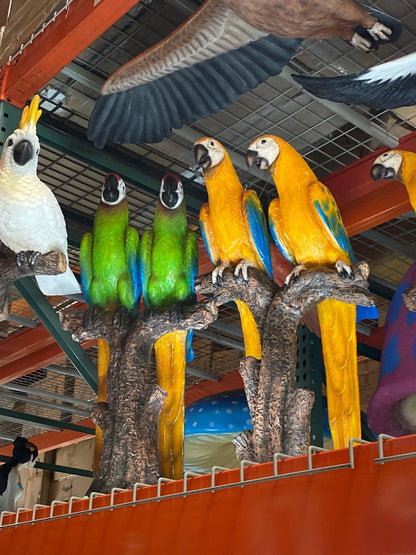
{"type": "Point", "coordinates": [306, 225]}
{"type": "Point", "coordinates": [233, 227]}
{"type": "Point", "coordinates": [384, 86]}
{"type": "Point", "coordinates": [400, 165]}
{"type": "Point", "coordinates": [109, 269]}
{"type": "Point", "coordinates": [226, 48]}
{"type": "Point", "coordinates": [30, 216]}
{"type": "Point", "coordinates": [169, 264]}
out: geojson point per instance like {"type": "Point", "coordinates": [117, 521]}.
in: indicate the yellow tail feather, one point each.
{"type": "Point", "coordinates": [103, 361]}
{"type": "Point", "coordinates": [170, 351]}
{"type": "Point", "coordinates": [339, 345]}
{"type": "Point", "coordinates": [250, 332]}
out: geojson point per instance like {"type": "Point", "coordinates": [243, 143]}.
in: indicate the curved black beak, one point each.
{"type": "Point", "coordinates": [110, 189]}
{"type": "Point", "coordinates": [378, 171]}
{"type": "Point", "coordinates": [23, 152]}
{"type": "Point", "coordinates": [202, 157]}
{"type": "Point", "coordinates": [253, 158]}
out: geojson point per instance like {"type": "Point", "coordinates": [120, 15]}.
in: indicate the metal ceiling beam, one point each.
{"type": "Point", "coordinates": [54, 440]}
{"type": "Point", "coordinates": [348, 114]}
{"type": "Point", "coordinates": [135, 170]}
{"type": "Point", "coordinates": [72, 31]}
{"type": "Point", "coordinates": [38, 402]}
{"type": "Point", "coordinates": [41, 422]}
{"type": "Point", "coordinates": [29, 350]}
{"type": "Point", "coordinates": [47, 395]}
{"type": "Point", "coordinates": [50, 320]}
{"type": "Point", "coordinates": [56, 467]}
{"type": "Point", "coordinates": [389, 243]}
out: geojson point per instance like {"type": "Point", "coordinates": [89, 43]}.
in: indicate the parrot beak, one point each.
{"type": "Point", "coordinates": [202, 157]}
{"type": "Point", "coordinates": [110, 189]}
{"type": "Point", "coordinates": [252, 157]}
{"type": "Point", "coordinates": [31, 114]}
{"type": "Point", "coordinates": [378, 171]}
{"type": "Point", "coordinates": [23, 152]}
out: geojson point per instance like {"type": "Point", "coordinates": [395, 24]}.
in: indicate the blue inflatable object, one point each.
{"type": "Point", "coordinates": [224, 412]}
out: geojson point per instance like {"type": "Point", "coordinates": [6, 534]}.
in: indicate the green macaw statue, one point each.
{"type": "Point", "coordinates": [109, 255]}
{"type": "Point", "coordinates": [168, 266]}
{"type": "Point", "coordinates": [110, 276]}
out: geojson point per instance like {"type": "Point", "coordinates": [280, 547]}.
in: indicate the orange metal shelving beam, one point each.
{"type": "Point", "coordinates": [61, 42]}
{"type": "Point", "coordinates": [363, 202]}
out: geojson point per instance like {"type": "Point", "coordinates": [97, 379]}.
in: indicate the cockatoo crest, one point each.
{"type": "Point", "coordinates": [30, 114]}
{"type": "Point", "coordinates": [21, 150]}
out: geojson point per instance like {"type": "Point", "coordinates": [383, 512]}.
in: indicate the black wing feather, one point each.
{"type": "Point", "coordinates": [140, 115]}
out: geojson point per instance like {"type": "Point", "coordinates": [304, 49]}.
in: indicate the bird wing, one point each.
{"type": "Point", "coordinates": [85, 264]}
{"type": "Point", "coordinates": [385, 86]}
{"type": "Point", "coordinates": [207, 234]}
{"type": "Point", "coordinates": [148, 112]}
{"type": "Point", "coordinates": [277, 230]}
{"type": "Point", "coordinates": [328, 211]}
{"type": "Point", "coordinates": [191, 257]}
{"type": "Point", "coordinates": [133, 253]}
{"type": "Point", "coordinates": [330, 216]}
{"type": "Point", "coordinates": [258, 228]}
{"type": "Point", "coordinates": [146, 264]}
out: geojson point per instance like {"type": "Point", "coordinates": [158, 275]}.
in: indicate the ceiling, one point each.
{"type": "Point", "coordinates": [330, 136]}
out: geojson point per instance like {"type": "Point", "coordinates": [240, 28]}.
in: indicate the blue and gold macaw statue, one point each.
{"type": "Point", "coordinates": [306, 226]}
{"type": "Point", "coordinates": [233, 227]}
{"type": "Point", "coordinates": [169, 264]}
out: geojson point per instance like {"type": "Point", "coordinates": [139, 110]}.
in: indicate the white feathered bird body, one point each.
{"type": "Point", "coordinates": [30, 216]}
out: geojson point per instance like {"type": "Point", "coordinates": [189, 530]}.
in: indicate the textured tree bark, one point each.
{"type": "Point", "coordinates": [409, 298]}
{"type": "Point", "coordinates": [129, 418]}
{"type": "Point", "coordinates": [51, 263]}
{"type": "Point", "coordinates": [280, 413]}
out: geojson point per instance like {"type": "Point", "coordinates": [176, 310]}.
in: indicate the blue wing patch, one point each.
{"type": "Point", "coordinates": [258, 229]}
{"type": "Point", "coordinates": [329, 213]}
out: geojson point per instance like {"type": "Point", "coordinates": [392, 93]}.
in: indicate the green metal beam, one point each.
{"type": "Point", "coordinates": [50, 320]}
{"type": "Point", "coordinates": [72, 141]}
{"type": "Point", "coordinates": [25, 418]}
{"type": "Point", "coordinates": [56, 468]}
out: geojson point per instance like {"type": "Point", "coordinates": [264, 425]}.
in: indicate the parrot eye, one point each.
{"type": "Point", "coordinates": [211, 143]}
{"type": "Point", "coordinates": [10, 142]}
{"type": "Point", "coordinates": [263, 141]}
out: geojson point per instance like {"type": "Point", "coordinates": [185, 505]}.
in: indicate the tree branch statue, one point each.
{"type": "Point", "coordinates": [13, 268]}
{"type": "Point", "coordinates": [280, 413]}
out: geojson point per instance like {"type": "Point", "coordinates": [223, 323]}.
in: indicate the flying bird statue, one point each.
{"type": "Point", "coordinates": [30, 216]}
{"type": "Point", "coordinates": [168, 265]}
{"type": "Point", "coordinates": [109, 264]}
{"type": "Point", "coordinates": [306, 225]}
{"type": "Point", "coordinates": [223, 50]}
{"type": "Point", "coordinates": [400, 165]}
{"type": "Point", "coordinates": [233, 227]}
{"type": "Point", "coordinates": [385, 86]}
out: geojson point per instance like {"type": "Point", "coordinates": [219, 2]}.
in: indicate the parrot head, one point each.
{"type": "Point", "coordinates": [263, 152]}
{"type": "Point", "coordinates": [114, 189]}
{"type": "Point", "coordinates": [208, 153]}
{"type": "Point", "coordinates": [171, 192]}
{"type": "Point", "coordinates": [387, 166]}
{"type": "Point", "coordinates": [21, 149]}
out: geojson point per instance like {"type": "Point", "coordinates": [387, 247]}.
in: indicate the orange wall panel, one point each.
{"type": "Point", "coordinates": [369, 509]}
